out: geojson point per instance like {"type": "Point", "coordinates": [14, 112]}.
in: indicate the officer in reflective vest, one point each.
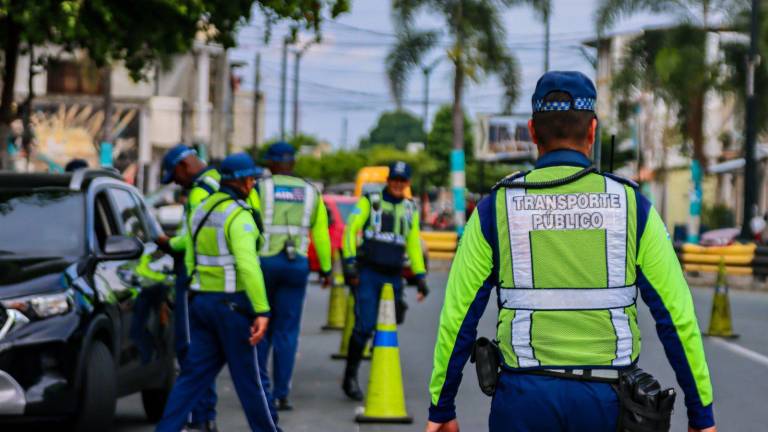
{"type": "Point", "coordinates": [567, 249]}
{"type": "Point", "coordinates": [228, 308]}
{"type": "Point", "coordinates": [292, 210]}
{"type": "Point", "coordinates": [182, 166]}
{"type": "Point", "coordinates": [389, 223]}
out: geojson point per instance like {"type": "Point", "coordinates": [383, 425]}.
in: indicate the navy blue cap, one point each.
{"type": "Point", "coordinates": [576, 84]}
{"type": "Point", "coordinates": [172, 158]}
{"type": "Point", "coordinates": [399, 170]}
{"type": "Point", "coordinates": [280, 151]}
{"type": "Point", "coordinates": [239, 165]}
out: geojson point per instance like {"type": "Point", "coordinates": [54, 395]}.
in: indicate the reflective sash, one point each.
{"type": "Point", "coordinates": [290, 230]}
{"type": "Point", "coordinates": [605, 211]}
{"type": "Point", "coordinates": [224, 260]}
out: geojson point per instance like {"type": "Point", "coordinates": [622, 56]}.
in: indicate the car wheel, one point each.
{"type": "Point", "coordinates": [154, 399]}
{"type": "Point", "coordinates": [99, 391]}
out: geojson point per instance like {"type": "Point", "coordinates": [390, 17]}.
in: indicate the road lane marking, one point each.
{"type": "Point", "coordinates": [740, 350]}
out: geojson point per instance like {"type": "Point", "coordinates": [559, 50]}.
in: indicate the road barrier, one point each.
{"type": "Point", "coordinates": [737, 259]}
{"type": "Point", "coordinates": [385, 399]}
{"type": "Point", "coordinates": [440, 244]}
{"type": "Point", "coordinates": [720, 324]}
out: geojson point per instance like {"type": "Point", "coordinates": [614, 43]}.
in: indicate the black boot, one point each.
{"type": "Point", "coordinates": [350, 386]}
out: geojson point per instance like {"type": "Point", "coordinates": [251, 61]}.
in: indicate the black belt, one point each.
{"type": "Point", "coordinates": [609, 376]}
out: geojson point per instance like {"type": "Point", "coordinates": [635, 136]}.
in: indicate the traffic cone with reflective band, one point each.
{"type": "Point", "coordinates": [349, 324]}
{"type": "Point", "coordinates": [385, 400]}
{"type": "Point", "coordinates": [337, 300]}
{"type": "Point", "coordinates": [720, 322]}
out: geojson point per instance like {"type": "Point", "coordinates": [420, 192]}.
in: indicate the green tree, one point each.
{"type": "Point", "coordinates": [136, 32]}
{"type": "Point", "coordinates": [477, 48]}
{"type": "Point", "coordinates": [440, 142]}
{"type": "Point", "coordinates": [671, 62]}
{"type": "Point", "coordinates": [396, 128]}
{"type": "Point", "coordinates": [736, 78]}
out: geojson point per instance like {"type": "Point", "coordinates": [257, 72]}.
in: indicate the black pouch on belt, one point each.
{"type": "Point", "coordinates": [486, 357]}
{"type": "Point", "coordinates": [644, 406]}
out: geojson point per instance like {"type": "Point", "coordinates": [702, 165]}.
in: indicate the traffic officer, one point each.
{"type": "Point", "coordinates": [182, 166]}
{"type": "Point", "coordinates": [293, 209]}
{"type": "Point", "coordinates": [568, 249]}
{"type": "Point", "coordinates": [229, 311]}
{"type": "Point", "coordinates": [389, 223]}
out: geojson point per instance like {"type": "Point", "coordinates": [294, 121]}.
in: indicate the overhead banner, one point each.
{"type": "Point", "coordinates": [503, 138]}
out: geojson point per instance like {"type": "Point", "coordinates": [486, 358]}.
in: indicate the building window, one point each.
{"type": "Point", "coordinates": [74, 77]}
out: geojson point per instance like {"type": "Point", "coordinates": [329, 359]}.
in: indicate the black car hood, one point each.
{"type": "Point", "coordinates": [29, 276]}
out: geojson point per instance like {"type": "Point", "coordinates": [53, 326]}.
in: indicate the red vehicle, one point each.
{"type": "Point", "coordinates": [339, 208]}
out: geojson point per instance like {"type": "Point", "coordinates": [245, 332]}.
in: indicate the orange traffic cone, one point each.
{"type": "Point", "coordinates": [385, 400]}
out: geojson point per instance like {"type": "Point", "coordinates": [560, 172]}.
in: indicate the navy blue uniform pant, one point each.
{"type": "Point", "coordinates": [205, 410]}
{"type": "Point", "coordinates": [541, 403]}
{"type": "Point", "coordinates": [286, 282]}
{"type": "Point", "coordinates": [367, 295]}
{"type": "Point", "coordinates": [219, 335]}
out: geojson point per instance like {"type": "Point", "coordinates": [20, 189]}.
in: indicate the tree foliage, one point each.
{"type": "Point", "coordinates": [671, 65]}
{"type": "Point", "coordinates": [136, 32]}
{"type": "Point", "coordinates": [397, 129]}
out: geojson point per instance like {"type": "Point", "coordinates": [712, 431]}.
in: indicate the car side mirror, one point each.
{"type": "Point", "coordinates": [120, 247]}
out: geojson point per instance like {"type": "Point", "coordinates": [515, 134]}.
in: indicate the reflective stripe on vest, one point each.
{"type": "Point", "coordinates": [577, 211]}
{"type": "Point", "coordinates": [290, 230]}
{"type": "Point", "coordinates": [225, 260]}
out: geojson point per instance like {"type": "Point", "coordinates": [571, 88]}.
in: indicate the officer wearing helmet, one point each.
{"type": "Point", "coordinates": [293, 212]}
{"type": "Point", "coordinates": [389, 224]}
{"type": "Point", "coordinates": [228, 309]}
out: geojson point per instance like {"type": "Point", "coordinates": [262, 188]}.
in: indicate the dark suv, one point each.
{"type": "Point", "coordinates": [85, 312]}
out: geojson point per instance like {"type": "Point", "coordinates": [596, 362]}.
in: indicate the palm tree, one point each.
{"type": "Point", "coordinates": [666, 68]}
{"type": "Point", "coordinates": [476, 48]}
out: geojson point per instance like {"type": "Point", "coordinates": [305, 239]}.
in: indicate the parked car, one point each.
{"type": "Point", "coordinates": [339, 208]}
{"type": "Point", "coordinates": [85, 313]}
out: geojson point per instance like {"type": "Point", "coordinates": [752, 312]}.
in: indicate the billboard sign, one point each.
{"type": "Point", "coordinates": [503, 138]}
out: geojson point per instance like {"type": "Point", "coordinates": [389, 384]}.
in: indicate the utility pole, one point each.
{"type": "Point", "coordinates": [546, 39]}
{"type": "Point", "coordinates": [296, 62]}
{"type": "Point", "coordinates": [427, 71]}
{"type": "Point", "coordinates": [283, 78]}
{"type": "Point", "coordinates": [256, 102]}
{"type": "Point", "coordinates": [750, 167]}
{"type": "Point", "coordinates": [344, 122]}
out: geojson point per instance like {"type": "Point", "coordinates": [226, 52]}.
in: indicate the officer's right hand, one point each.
{"type": "Point", "coordinates": [164, 243]}
{"type": "Point", "coordinates": [709, 429]}
{"type": "Point", "coordinates": [450, 426]}
{"type": "Point", "coordinates": [258, 329]}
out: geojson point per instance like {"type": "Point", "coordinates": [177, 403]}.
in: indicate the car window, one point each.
{"type": "Point", "coordinates": [41, 222]}
{"type": "Point", "coordinates": [130, 214]}
{"type": "Point", "coordinates": [104, 223]}
{"type": "Point", "coordinates": [345, 208]}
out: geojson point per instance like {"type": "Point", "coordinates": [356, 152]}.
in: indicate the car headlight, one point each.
{"type": "Point", "coordinates": [40, 306]}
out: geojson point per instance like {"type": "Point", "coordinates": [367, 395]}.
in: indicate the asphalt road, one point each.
{"type": "Point", "coordinates": [739, 371]}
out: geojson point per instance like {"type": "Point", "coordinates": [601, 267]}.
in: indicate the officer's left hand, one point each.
{"type": "Point", "coordinates": [423, 290]}
{"type": "Point", "coordinates": [258, 329]}
{"type": "Point", "coordinates": [326, 279]}
{"type": "Point", "coordinates": [449, 426]}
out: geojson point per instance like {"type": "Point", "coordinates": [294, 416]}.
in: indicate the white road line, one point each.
{"type": "Point", "coordinates": [740, 350]}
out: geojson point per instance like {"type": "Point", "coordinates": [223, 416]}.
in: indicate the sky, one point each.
{"type": "Point", "coordinates": [342, 79]}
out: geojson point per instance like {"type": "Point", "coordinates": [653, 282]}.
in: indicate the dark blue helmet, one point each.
{"type": "Point", "coordinates": [280, 151]}
{"type": "Point", "coordinates": [172, 158]}
{"type": "Point", "coordinates": [239, 165]}
{"type": "Point", "coordinates": [399, 170]}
